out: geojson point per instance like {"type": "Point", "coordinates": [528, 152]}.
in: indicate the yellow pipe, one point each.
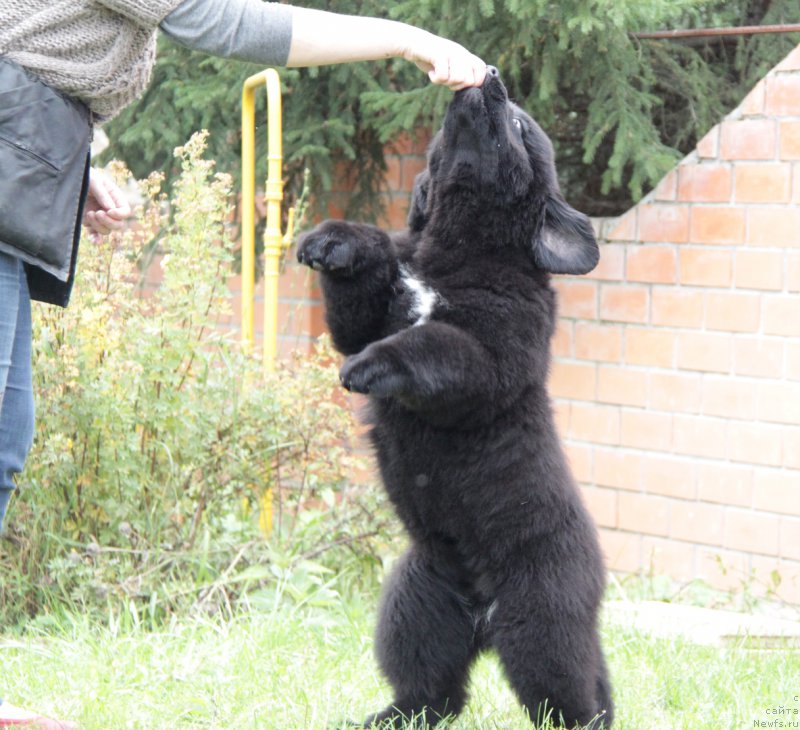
{"type": "Point", "coordinates": [274, 240]}
{"type": "Point", "coordinates": [248, 208]}
{"type": "Point", "coordinates": [273, 237]}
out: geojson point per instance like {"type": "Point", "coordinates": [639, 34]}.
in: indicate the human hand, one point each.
{"type": "Point", "coordinates": [106, 206]}
{"type": "Point", "coordinates": [445, 62]}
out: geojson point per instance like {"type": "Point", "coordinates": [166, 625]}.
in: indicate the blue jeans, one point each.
{"type": "Point", "coordinates": [16, 387]}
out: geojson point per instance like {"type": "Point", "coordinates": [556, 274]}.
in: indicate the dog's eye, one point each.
{"type": "Point", "coordinates": [517, 124]}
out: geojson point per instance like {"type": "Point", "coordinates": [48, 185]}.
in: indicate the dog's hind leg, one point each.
{"type": "Point", "coordinates": [553, 659]}
{"type": "Point", "coordinates": [426, 640]}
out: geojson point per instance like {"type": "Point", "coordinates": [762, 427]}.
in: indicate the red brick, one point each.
{"type": "Point", "coordinates": [763, 183]}
{"type": "Point", "coordinates": [643, 513]}
{"type": "Point", "coordinates": [576, 298]}
{"type": "Point", "coordinates": [652, 264]}
{"type": "Point", "coordinates": [733, 312]}
{"type": "Point", "coordinates": [676, 307]}
{"type": "Point", "coordinates": [298, 318]}
{"type": "Point", "coordinates": [598, 342]}
{"type": "Point", "coordinates": [649, 347]}
{"type": "Point", "coordinates": [612, 263]}
{"type": "Point", "coordinates": [663, 223]}
{"type": "Point", "coordinates": [561, 343]}
{"type": "Point", "coordinates": [602, 505]}
{"type": "Point", "coordinates": [708, 146]}
{"type": "Point", "coordinates": [758, 270]}
{"type": "Point", "coordinates": [796, 183]}
{"type": "Point", "coordinates": [705, 267]}
{"type": "Point", "coordinates": [561, 414]}
{"type": "Point", "coordinates": [697, 522]}
{"type": "Point", "coordinates": [790, 538]}
{"type": "Point", "coordinates": [410, 143]}
{"type": "Point", "coordinates": [793, 271]}
{"type": "Point", "coordinates": [705, 352]}
{"type": "Point", "coordinates": [783, 95]}
{"type": "Point", "coordinates": [790, 436]}
{"type": "Point", "coordinates": [396, 212]}
{"type": "Point", "coordinates": [716, 224]}
{"type": "Point", "coordinates": [394, 174]}
{"type": "Point", "coordinates": [298, 282]}
{"type": "Point", "coordinates": [789, 140]}
{"type": "Point", "coordinates": [579, 457]}
{"type": "Point", "coordinates": [752, 532]}
{"type": "Point", "coordinates": [793, 360]}
{"type": "Point", "coordinates": [646, 430]}
{"type": "Point", "coordinates": [779, 402]}
{"type": "Point", "coordinates": [704, 183]}
{"type": "Point", "coordinates": [622, 303]}
{"type": "Point", "coordinates": [699, 436]}
{"type": "Point", "coordinates": [595, 423]}
{"type": "Point", "coordinates": [572, 380]}
{"type": "Point", "coordinates": [725, 484]}
{"type": "Point", "coordinates": [782, 315]}
{"type": "Point", "coordinates": [681, 392]}
{"type": "Point", "coordinates": [624, 228]}
{"type": "Point", "coordinates": [667, 557]}
{"type": "Point", "coordinates": [622, 550]}
{"type": "Point", "coordinates": [411, 167]}
{"type": "Point", "coordinates": [777, 491]}
{"type": "Point", "coordinates": [753, 103]}
{"type": "Point", "coordinates": [748, 139]}
{"type": "Point", "coordinates": [758, 357]}
{"type": "Point", "coordinates": [777, 227]}
{"type": "Point", "coordinates": [623, 386]}
{"type": "Point", "coordinates": [667, 188]}
{"type": "Point", "coordinates": [729, 398]}
{"type": "Point", "coordinates": [669, 475]}
{"type": "Point", "coordinates": [755, 443]}
{"type": "Point", "coordinates": [618, 468]}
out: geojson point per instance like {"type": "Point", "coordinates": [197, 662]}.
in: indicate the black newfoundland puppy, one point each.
{"type": "Point", "coordinates": [447, 328]}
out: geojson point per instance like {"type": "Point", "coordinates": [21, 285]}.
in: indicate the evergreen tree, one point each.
{"type": "Point", "coordinates": [620, 111]}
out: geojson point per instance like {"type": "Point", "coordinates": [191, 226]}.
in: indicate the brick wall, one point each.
{"type": "Point", "coordinates": [676, 378]}
{"type": "Point", "coordinates": [677, 370]}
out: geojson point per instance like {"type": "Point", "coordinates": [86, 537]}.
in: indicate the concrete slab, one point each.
{"type": "Point", "coordinates": [704, 625]}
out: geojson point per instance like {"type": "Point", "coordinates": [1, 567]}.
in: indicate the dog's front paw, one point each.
{"type": "Point", "coordinates": [327, 248]}
{"type": "Point", "coordinates": [372, 372]}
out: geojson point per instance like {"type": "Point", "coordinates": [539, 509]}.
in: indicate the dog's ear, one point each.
{"type": "Point", "coordinates": [418, 211]}
{"type": "Point", "coordinates": [565, 244]}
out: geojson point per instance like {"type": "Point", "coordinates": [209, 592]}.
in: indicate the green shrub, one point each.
{"type": "Point", "coordinates": [161, 447]}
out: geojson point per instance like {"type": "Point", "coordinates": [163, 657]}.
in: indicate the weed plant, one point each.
{"type": "Point", "coordinates": [169, 472]}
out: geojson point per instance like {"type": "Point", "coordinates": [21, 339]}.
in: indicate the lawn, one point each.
{"type": "Point", "coordinates": [284, 664]}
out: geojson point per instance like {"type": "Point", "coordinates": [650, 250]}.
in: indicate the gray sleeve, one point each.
{"type": "Point", "coordinates": [247, 30]}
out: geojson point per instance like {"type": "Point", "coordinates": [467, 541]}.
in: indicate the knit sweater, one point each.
{"type": "Point", "coordinates": [100, 51]}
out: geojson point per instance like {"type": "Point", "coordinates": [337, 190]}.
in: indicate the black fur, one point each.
{"type": "Point", "coordinates": [503, 553]}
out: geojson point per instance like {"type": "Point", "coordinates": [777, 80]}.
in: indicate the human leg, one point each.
{"type": "Point", "coordinates": [16, 391]}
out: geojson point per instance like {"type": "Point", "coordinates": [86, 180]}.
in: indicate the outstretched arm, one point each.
{"type": "Point", "coordinates": [320, 38]}
{"type": "Point", "coordinates": [284, 35]}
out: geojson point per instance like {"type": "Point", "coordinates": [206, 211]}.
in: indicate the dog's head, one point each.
{"type": "Point", "coordinates": [491, 164]}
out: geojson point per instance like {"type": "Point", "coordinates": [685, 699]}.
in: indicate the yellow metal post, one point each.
{"type": "Point", "coordinates": [274, 240]}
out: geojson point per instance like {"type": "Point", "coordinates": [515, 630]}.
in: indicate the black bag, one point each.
{"type": "Point", "coordinates": [44, 166]}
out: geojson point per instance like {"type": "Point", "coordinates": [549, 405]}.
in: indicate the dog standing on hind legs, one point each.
{"type": "Point", "coordinates": [447, 329]}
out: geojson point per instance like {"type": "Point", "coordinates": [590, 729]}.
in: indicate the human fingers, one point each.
{"type": "Point", "coordinates": [446, 62]}
{"type": "Point", "coordinates": [105, 195]}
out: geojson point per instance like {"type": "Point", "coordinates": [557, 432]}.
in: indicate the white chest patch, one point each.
{"type": "Point", "coordinates": [423, 298]}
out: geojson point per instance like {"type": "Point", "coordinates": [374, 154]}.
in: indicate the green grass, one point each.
{"type": "Point", "coordinates": [285, 666]}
